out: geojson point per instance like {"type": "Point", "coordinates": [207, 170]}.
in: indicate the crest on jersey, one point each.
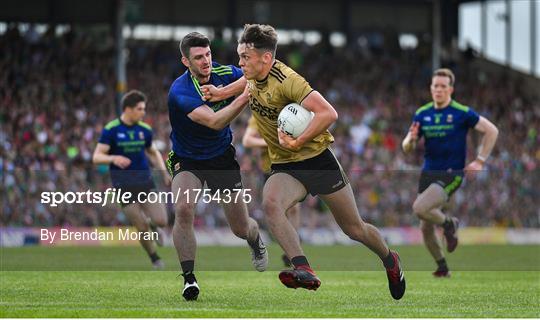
{"type": "Point", "coordinates": [268, 96]}
{"type": "Point", "coordinates": [141, 135]}
{"type": "Point", "coordinates": [449, 118]}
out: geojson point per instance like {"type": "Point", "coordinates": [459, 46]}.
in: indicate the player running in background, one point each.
{"type": "Point", "coordinates": [252, 139]}
{"type": "Point", "coordinates": [444, 124]}
{"type": "Point", "coordinates": [202, 152]}
{"type": "Point", "coordinates": [126, 145]}
{"type": "Point", "coordinates": [302, 165]}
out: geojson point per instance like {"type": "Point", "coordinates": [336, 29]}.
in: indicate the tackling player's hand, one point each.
{"type": "Point", "coordinates": [472, 168]}
{"type": "Point", "coordinates": [245, 95]}
{"type": "Point", "coordinates": [287, 141]}
{"type": "Point", "coordinates": [414, 130]}
{"type": "Point", "coordinates": [211, 93]}
{"type": "Point", "coordinates": [121, 161]}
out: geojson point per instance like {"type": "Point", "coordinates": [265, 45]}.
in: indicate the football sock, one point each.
{"type": "Point", "coordinates": [189, 277]}
{"type": "Point", "coordinates": [388, 261]}
{"type": "Point", "coordinates": [442, 265]}
{"type": "Point", "coordinates": [255, 244]}
{"type": "Point", "coordinates": [154, 257]}
{"type": "Point", "coordinates": [187, 269]}
{"type": "Point", "coordinates": [301, 262]}
{"type": "Point", "coordinates": [187, 266]}
{"type": "Point", "coordinates": [447, 223]}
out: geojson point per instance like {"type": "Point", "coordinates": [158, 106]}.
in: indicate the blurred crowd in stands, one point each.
{"type": "Point", "coordinates": [57, 92]}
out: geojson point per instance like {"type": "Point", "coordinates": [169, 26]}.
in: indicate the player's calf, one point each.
{"type": "Point", "coordinates": [357, 232]}
{"type": "Point", "coordinates": [160, 238]}
{"type": "Point", "coordinates": [240, 231]}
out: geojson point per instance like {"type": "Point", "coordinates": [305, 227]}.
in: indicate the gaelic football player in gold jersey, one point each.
{"type": "Point", "coordinates": [302, 165]}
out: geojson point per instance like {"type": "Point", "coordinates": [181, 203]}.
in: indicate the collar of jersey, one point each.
{"type": "Point", "coordinates": [196, 84]}
{"type": "Point", "coordinates": [444, 108]}
{"type": "Point", "coordinates": [261, 83]}
{"type": "Point", "coordinates": [125, 124]}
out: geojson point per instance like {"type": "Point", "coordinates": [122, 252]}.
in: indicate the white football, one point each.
{"type": "Point", "coordinates": [294, 119]}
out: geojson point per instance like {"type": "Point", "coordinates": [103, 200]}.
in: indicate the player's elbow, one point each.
{"type": "Point", "coordinates": [213, 123]}
{"type": "Point", "coordinates": [216, 125]}
{"type": "Point", "coordinates": [491, 132]}
{"type": "Point", "coordinates": [99, 158]}
{"type": "Point", "coordinates": [333, 115]}
{"type": "Point", "coordinates": [95, 158]}
{"type": "Point", "coordinates": [329, 116]}
{"type": "Point", "coordinates": [495, 132]}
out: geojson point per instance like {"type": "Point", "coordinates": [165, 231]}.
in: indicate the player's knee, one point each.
{"type": "Point", "coordinates": [184, 213]}
{"type": "Point", "coordinates": [293, 211]}
{"type": "Point", "coordinates": [160, 221]}
{"type": "Point", "coordinates": [419, 209]}
{"type": "Point", "coordinates": [271, 207]}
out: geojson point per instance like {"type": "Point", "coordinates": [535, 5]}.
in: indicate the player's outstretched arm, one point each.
{"type": "Point", "coordinates": [219, 120]}
{"type": "Point", "coordinates": [157, 162]}
{"type": "Point", "coordinates": [251, 139]}
{"type": "Point", "coordinates": [212, 93]}
{"type": "Point", "coordinates": [491, 133]}
{"type": "Point", "coordinates": [102, 156]}
{"type": "Point", "coordinates": [409, 143]}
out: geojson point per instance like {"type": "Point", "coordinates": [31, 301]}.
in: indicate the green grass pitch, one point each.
{"type": "Point", "coordinates": [487, 281]}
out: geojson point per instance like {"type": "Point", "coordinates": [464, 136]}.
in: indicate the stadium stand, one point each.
{"type": "Point", "coordinates": [54, 90]}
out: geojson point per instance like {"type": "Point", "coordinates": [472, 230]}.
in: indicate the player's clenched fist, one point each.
{"type": "Point", "coordinates": [472, 168]}
{"type": "Point", "coordinates": [210, 93]}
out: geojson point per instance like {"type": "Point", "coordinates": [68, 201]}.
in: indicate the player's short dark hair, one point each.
{"type": "Point", "coordinates": [444, 72]}
{"type": "Point", "coordinates": [193, 39]}
{"type": "Point", "coordinates": [260, 36]}
{"type": "Point", "coordinates": [132, 98]}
